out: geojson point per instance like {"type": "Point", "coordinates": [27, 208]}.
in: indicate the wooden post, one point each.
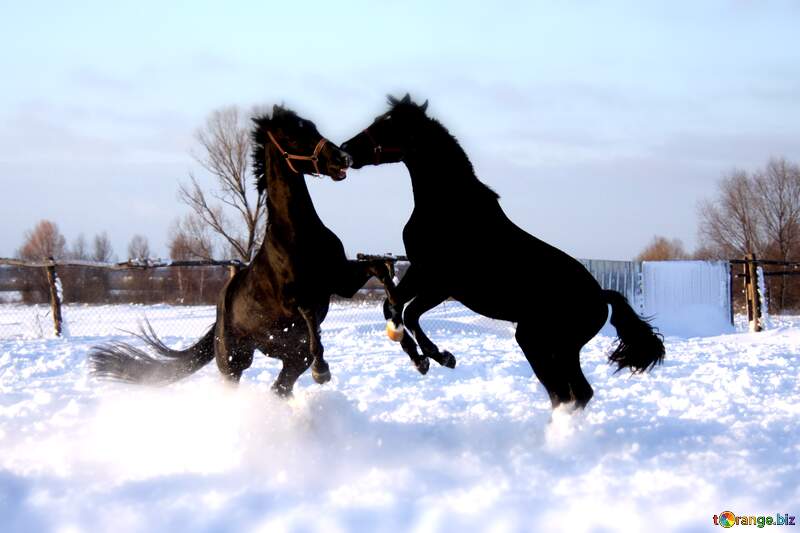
{"type": "Point", "coordinates": [233, 268]}
{"type": "Point", "coordinates": [55, 300]}
{"type": "Point", "coordinates": [751, 293]}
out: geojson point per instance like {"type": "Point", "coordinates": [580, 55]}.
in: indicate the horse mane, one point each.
{"type": "Point", "coordinates": [258, 136]}
{"type": "Point", "coordinates": [437, 135]}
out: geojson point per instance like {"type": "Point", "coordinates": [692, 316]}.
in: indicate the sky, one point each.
{"type": "Point", "coordinates": [599, 124]}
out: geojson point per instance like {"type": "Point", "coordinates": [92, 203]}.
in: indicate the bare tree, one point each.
{"type": "Point", "coordinates": [731, 222]}
{"type": "Point", "coordinates": [758, 213]}
{"type": "Point", "coordinates": [102, 251]}
{"type": "Point", "coordinates": [190, 238]}
{"type": "Point", "coordinates": [42, 242]}
{"type": "Point", "coordinates": [778, 193]}
{"type": "Point", "coordinates": [235, 212]}
{"type": "Point", "coordinates": [139, 248]}
{"type": "Point", "coordinates": [778, 190]}
{"type": "Point", "coordinates": [79, 248]}
{"type": "Point", "coordinates": [662, 249]}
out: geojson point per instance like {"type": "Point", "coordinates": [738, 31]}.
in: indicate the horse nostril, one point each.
{"type": "Point", "coordinates": [348, 160]}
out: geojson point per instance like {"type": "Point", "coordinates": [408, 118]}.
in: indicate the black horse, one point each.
{"type": "Point", "coordinates": [557, 304]}
{"type": "Point", "coordinates": [277, 303]}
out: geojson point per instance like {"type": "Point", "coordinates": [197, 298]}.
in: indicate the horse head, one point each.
{"type": "Point", "coordinates": [298, 143]}
{"type": "Point", "coordinates": [389, 137]}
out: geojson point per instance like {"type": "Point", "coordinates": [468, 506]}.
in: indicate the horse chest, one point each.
{"type": "Point", "coordinates": [428, 237]}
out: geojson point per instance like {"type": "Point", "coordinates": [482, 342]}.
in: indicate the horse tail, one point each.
{"type": "Point", "coordinates": [120, 361]}
{"type": "Point", "coordinates": [640, 346]}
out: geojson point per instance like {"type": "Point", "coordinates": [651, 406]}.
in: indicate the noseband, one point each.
{"type": "Point", "coordinates": [289, 157]}
{"type": "Point", "coordinates": [377, 149]}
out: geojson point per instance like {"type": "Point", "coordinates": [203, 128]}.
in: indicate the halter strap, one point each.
{"type": "Point", "coordinates": [314, 157]}
{"type": "Point", "coordinates": [377, 148]}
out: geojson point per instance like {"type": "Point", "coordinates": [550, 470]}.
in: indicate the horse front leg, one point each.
{"type": "Point", "coordinates": [319, 367]}
{"type": "Point", "coordinates": [404, 292]}
{"type": "Point", "coordinates": [356, 274]}
{"type": "Point", "coordinates": [424, 302]}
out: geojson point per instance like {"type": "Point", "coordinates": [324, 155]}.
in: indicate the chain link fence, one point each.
{"type": "Point", "coordinates": [102, 301]}
{"type": "Point", "coordinates": [179, 298]}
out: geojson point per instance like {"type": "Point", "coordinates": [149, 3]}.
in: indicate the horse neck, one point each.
{"type": "Point", "coordinates": [439, 169]}
{"type": "Point", "coordinates": [288, 200]}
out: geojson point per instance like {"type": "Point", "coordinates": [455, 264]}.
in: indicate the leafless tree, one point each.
{"type": "Point", "coordinates": [234, 211]}
{"type": "Point", "coordinates": [79, 248]}
{"type": "Point", "coordinates": [731, 222]}
{"type": "Point", "coordinates": [190, 238]}
{"type": "Point", "coordinates": [662, 249]}
{"type": "Point", "coordinates": [758, 213]}
{"type": "Point", "coordinates": [139, 248]}
{"type": "Point", "coordinates": [42, 242]}
{"type": "Point", "coordinates": [102, 251]}
{"type": "Point", "coordinates": [778, 193]}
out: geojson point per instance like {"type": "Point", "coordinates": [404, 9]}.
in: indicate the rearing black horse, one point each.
{"type": "Point", "coordinates": [277, 303]}
{"type": "Point", "coordinates": [557, 304]}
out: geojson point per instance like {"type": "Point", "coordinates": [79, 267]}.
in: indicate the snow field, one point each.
{"type": "Point", "coordinates": [381, 448]}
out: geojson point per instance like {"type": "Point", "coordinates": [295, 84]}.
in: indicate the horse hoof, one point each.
{"type": "Point", "coordinates": [282, 392]}
{"type": "Point", "coordinates": [423, 365]}
{"type": "Point", "coordinates": [448, 360]}
{"type": "Point", "coordinates": [394, 332]}
{"type": "Point", "coordinates": [321, 377]}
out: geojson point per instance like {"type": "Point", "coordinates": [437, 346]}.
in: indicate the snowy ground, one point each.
{"type": "Point", "coordinates": [381, 448]}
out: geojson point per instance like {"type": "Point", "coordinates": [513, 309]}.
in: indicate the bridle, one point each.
{"type": "Point", "coordinates": [378, 149]}
{"type": "Point", "coordinates": [314, 157]}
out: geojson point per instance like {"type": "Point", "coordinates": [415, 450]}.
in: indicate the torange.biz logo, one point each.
{"type": "Point", "coordinates": [728, 519]}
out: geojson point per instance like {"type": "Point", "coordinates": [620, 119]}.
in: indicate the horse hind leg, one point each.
{"type": "Point", "coordinates": [233, 355]}
{"type": "Point", "coordinates": [293, 367]}
{"type": "Point", "coordinates": [550, 371]}
{"type": "Point", "coordinates": [579, 387]}
{"type": "Point", "coordinates": [583, 330]}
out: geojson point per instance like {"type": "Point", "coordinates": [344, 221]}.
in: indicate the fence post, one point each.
{"type": "Point", "coordinates": [751, 293]}
{"type": "Point", "coordinates": [233, 268]}
{"type": "Point", "coordinates": [55, 299]}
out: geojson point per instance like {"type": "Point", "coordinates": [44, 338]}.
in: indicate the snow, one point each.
{"type": "Point", "coordinates": [381, 448]}
{"type": "Point", "coordinates": [762, 294]}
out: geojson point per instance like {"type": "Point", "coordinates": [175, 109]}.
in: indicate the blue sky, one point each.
{"type": "Point", "coordinates": [600, 124]}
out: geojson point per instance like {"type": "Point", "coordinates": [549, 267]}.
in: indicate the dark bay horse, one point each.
{"type": "Point", "coordinates": [557, 304]}
{"type": "Point", "coordinates": [277, 303]}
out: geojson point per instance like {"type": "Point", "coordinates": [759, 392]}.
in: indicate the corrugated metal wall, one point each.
{"type": "Point", "coordinates": [620, 276]}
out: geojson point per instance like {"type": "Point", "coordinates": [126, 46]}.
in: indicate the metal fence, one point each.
{"type": "Point", "coordinates": [178, 299]}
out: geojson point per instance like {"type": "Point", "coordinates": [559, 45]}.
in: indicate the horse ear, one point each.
{"type": "Point", "coordinates": [276, 109]}
{"type": "Point", "coordinates": [424, 106]}
{"type": "Point", "coordinates": [407, 99]}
